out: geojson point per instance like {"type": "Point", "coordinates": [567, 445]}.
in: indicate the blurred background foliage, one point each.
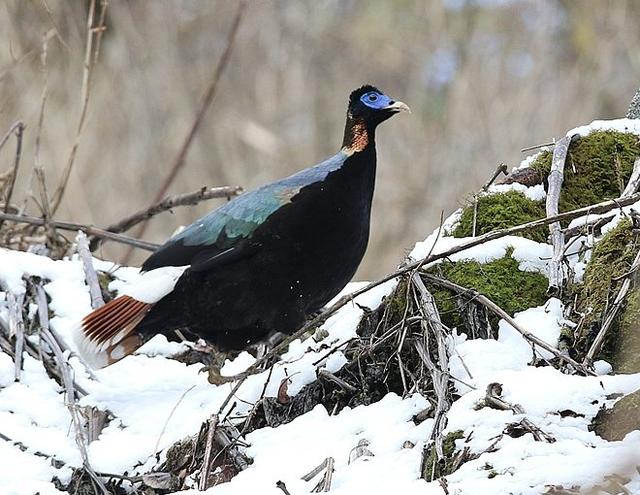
{"type": "Point", "coordinates": [484, 78]}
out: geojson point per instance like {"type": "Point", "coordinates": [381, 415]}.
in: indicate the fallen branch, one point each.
{"type": "Point", "coordinates": [324, 485]}
{"type": "Point", "coordinates": [187, 199]}
{"type": "Point", "coordinates": [555, 179]}
{"type": "Point", "coordinates": [87, 229]}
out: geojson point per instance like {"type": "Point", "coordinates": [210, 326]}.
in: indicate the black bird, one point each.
{"type": "Point", "coordinates": [262, 262]}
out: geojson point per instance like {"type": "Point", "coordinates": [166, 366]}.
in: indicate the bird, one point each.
{"type": "Point", "coordinates": [261, 263]}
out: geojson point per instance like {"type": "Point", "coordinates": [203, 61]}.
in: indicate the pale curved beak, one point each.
{"type": "Point", "coordinates": [398, 106]}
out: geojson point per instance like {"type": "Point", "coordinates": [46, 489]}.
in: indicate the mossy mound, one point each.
{"type": "Point", "coordinates": [614, 424]}
{"type": "Point", "coordinates": [500, 280]}
{"type": "Point", "coordinates": [501, 211]}
{"type": "Point", "coordinates": [611, 258]}
{"type": "Point", "coordinates": [597, 168]}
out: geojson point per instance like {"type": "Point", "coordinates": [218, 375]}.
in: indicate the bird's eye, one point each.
{"type": "Point", "coordinates": [373, 97]}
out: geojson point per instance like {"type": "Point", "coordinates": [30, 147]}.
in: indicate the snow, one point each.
{"type": "Point", "coordinates": [631, 126]}
{"type": "Point", "coordinates": [155, 400]}
{"type": "Point", "coordinates": [532, 256]}
{"type": "Point", "coordinates": [534, 193]}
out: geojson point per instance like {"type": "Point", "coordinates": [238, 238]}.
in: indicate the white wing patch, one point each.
{"type": "Point", "coordinates": [149, 287]}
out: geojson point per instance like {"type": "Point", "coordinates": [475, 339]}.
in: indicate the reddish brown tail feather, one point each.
{"type": "Point", "coordinates": [107, 334]}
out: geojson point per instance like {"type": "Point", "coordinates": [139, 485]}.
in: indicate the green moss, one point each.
{"type": "Point", "coordinates": [431, 468]}
{"type": "Point", "coordinates": [597, 168]}
{"type": "Point", "coordinates": [500, 211]}
{"type": "Point", "coordinates": [624, 417]}
{"type": "Point", "coordinates": [626, 349]}
{"type": "Point", "coordinates": [611, 258]}
{"type": "Point", "coordinates": [500, 280]}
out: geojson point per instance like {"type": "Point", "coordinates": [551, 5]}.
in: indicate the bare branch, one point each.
{"type": "Point", "coordinates": [209, 95]}
{"type": "Point", "coordinates": [187, 199]}
{"type": "Point", "coordinates": [19, 131]}
{"type": "Point", "coordinates": [87, 229]}
{"type": "Point", "coordinates": [90, 59]}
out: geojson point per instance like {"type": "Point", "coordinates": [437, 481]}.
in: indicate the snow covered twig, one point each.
{"type": "Point", "coordinates": [90, 274]}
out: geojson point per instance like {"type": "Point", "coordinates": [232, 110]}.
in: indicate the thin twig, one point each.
{"type": "Point", "coordinates": [19, 131]}
{"type": "Point", "coordinates": [38, 171]}
{"type": "Point", "coordinates": [206, 462]}
{"type": "Point", "coordinates": [87, 229]}
{"type": "Point", "coordinates": [209, 95]}
{"type": "Point", "coordinates": [188, 199]}
{"type": "Point", "coordinates": [90, 59]}
{"type": "Point", "coordinates": [555, 179]}
{"type": "Point", "coordinates": [90, 275]}
{"type": "Point", "coordinates": [326, 375]}
{"type": "Point", "coordinates": [536, 146]}
{"type": "Point", "coordinates": [173, 410]}
{"type": "Point", "coordinates": [501, 169]}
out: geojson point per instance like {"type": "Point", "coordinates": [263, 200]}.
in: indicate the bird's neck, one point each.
{"type": "Point", "coordinates": [357, 136]}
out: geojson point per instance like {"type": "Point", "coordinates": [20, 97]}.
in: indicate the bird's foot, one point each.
{"type": "Point", "coordinates": [214, 377]}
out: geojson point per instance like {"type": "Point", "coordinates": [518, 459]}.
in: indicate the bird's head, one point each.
{"type": "Point", "coordinates": [368, 107]}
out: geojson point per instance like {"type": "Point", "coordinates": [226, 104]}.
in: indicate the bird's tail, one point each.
{"type": "Point", "coordinates": [107, 334]}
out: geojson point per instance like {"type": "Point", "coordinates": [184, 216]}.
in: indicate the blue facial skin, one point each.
{"type": "Point", "coordinates": [376, 100]}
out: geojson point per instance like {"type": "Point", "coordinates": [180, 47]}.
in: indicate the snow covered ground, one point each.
{"type": "Point", "coordinates": [157, 401]}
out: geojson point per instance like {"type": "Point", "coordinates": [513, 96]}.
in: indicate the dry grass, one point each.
{"type": "Point", "coordinates": [523, 73]}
